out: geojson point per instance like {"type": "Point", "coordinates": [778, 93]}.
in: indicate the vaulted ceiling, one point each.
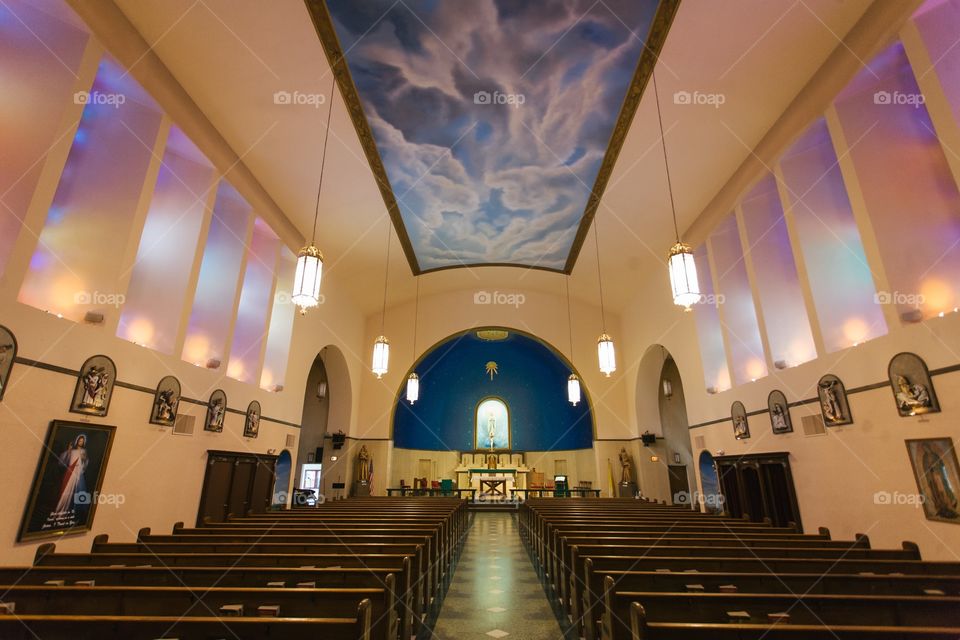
{"type": "Point", "coordinates": [233, 56]}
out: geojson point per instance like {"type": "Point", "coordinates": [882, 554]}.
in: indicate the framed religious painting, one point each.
{"type": "Point", "coordinates": [833, 401]}
{"type": "Point", "coordinates": [66, 487]}
{"type": "Point", "coordinates": [937, 473]}
{"type": "Point", "coordinates": [912, 387]}
{"type": "Point", "coordinates": [779, 412]}
{"type": "Point", "coordinates": [738, 415]}
{"type": "Point", "coordinates": [251, 426]}
{"type": "Point", "coordinates": [8, 353]}
{"type": "Point", "coordinates": [166, 401]}
{"type": "Point", "coordinates": [216, 411]}
{"type": "Point", "coordinates": [94, 387]}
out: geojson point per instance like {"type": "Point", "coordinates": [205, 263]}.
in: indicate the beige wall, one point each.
{"type": "Point", "coordinates": [836, 474]}
{"type": "Point", "coordinates": [158, 474]}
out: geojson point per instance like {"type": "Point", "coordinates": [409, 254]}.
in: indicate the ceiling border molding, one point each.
{"type": "Point", "coordinates": [111, 27]}
{"type": "Point", "coordinates": [657, 35]}
{"type": "Point", "coordinates": [877, 28]}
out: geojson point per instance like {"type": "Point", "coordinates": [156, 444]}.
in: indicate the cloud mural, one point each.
{"type": "Point", "coordinates": [492, 117]}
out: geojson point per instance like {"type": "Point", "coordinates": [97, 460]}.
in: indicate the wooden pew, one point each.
{"type": "Point", "coordinates": [67, 627]}
{"type": "Point", "coordinates": [400, 564]}
{"type": "Point", "coordinates": [642, 629]}
{"type": "Point", "coordinates": [810, 609]}
{"type": "Point", "coordinates": [43, 600]}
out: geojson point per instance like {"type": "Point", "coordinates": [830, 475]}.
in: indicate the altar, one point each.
{"type": "Point", "coordinates": [492, 474]}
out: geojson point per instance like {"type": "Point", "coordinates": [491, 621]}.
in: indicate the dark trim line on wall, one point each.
{"type": "Point", "coordinates": [46, 366]}
{"type": "Point", "coordinates": [625, 439]}
{"type": "Point", "coordinates": [861, 389]}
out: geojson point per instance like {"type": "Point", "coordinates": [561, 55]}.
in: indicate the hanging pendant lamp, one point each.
{"type": "Point", "coordinates": [606, 354]}
{"type": "Point", "coordinates": [381, 346]}
{"type": "Point", "coordinates": [573, 382]}
{"type": "Point", "coordinates": [680, 262]}
{"type": "Point", "coordinates": [306, 281]}
{"type": "Point", "coordinates": [413, 381]}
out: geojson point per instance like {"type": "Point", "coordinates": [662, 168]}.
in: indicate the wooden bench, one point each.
{"type": "Point", "coordinates": [42, 600]}
{"type": "Point", "coordinates": [641, 629]}
{"type": "Point", "coordinates": [65, 627]}
{"type": "Point", "coordinates": [807, 610]}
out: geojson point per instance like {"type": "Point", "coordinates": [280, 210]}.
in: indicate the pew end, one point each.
{"type": "Point", "coordinates": [101, 538]}
{"type": "Point", "coordinates": [825, 532]}
{"type": "Point", "coordinates": [177, 526]}
{"type": "Point", "coordinates": [909, 545]}
{"type": "Point", "coordinates": [364, 619]}
{"type": "Point", "coordinates": [143, 533]}
{"type": "Point", "coordinates": [638, 621]}
{"type": "Point", "coordinates": [863, 539]}
{"type": "Point", "coordinates": [44, 550]}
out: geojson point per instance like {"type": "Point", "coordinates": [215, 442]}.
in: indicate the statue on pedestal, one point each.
{"type": "Point", "coordinates": [625, 465]}
{"type": "Point", "coordinates": [363, 465]}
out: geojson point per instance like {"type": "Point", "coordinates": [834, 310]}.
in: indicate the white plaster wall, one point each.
{"type": "Point", "coordinates": [836, 475]}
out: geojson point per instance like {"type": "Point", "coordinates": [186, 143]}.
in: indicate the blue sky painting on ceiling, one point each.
{"type": "Point", "coordinates": [492, 117]}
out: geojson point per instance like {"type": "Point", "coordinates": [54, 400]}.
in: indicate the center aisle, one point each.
{"type": "Point", "coordinates": [495, 591]}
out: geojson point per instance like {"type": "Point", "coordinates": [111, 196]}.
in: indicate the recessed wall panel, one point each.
{"type": "Point", "coordinates": [213, 303]}
{"type": "Point", "coordinates": [738, 314]}
{"type": "Point", "coordinates": [840, 278]}
{"type": "Point", "coordinates": [76, 266]}
{"type": "Point", "coordinates": [250, 331]}
{"type": "Point", "coordinates": [716, 374]}
{"type": "Point", "coordinates": [775, 273]}
{"type": "Point", "coordinates": [160, 279]}
{"type": "Point", "coordinates": [39, 58]}
{"type": "Point", "coordinates": [907, 185]}
{"type": "Point", "coordinates": [281, 324]}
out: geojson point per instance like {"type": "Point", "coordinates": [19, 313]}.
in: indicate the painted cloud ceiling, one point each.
{"type": "Point", "coordinates": [491, 117]}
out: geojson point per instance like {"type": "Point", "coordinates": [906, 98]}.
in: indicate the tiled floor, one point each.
{"type": "Point", "coordinates": [495, 591]}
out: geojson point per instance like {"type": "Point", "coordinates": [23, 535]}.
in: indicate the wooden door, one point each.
{"type": "Point", "coordinates": [240, 486]}
{"type": "Point", "coordinates": [679, 484]}
{"type": "Point", "coordinates": [216, 489]}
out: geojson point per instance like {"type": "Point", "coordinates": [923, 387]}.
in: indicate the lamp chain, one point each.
{"type": "Point", "coordinates": [386, 276]}
{"type": "Point", "coordinates": [323, 159]}
{"type": "Point", "coordinates": [666, 165]}
{"type": "Point", "coordinates": [596, 240]}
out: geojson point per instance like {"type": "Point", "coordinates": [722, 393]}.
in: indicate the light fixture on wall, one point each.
{"type": "Point", "coordinates": [667, 389]}
{"type": "Point", "coordinates": [605, 352]}
{"type": "Point", "coordinates": [680, 262]}
{"type": "Point", "coordinates": [573, 382]}
{"type": "Point", "coordinates": [381, 346]}
{"type": "Point", "coordinates": [413, 381]}
{"type": "Point", "coordinates": [306, 280]}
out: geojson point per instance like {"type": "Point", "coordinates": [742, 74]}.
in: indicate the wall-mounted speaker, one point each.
{"type": "Point", "coordinates": [648, 439]}
{"type": "Point", "coordinates": [338, 439]}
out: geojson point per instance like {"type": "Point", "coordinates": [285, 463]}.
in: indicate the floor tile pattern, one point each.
{"type": "Point", "coordinates": [495, 591]}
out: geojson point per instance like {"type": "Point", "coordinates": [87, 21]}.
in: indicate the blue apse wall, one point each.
{"type": "Point", "coordinates": [531, 379]}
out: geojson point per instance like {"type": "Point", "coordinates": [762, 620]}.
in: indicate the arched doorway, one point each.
{"type": "Point", "coordinates": [661, 409]}
{"type": "Point", "coordinates": [281, 480]}
{"type": "Point", "coordinates": [711, 499]}
{"type": "Point", "coordinates": [326, 409]}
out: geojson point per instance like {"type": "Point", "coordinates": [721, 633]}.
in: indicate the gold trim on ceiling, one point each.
{"type": "Point", "coordinates": [659, 28]}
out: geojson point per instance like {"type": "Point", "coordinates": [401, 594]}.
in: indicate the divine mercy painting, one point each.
{"type": "Point", "coordinates": [66, 487]}
{"type": "Point", "coordinates": [492, 429]}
